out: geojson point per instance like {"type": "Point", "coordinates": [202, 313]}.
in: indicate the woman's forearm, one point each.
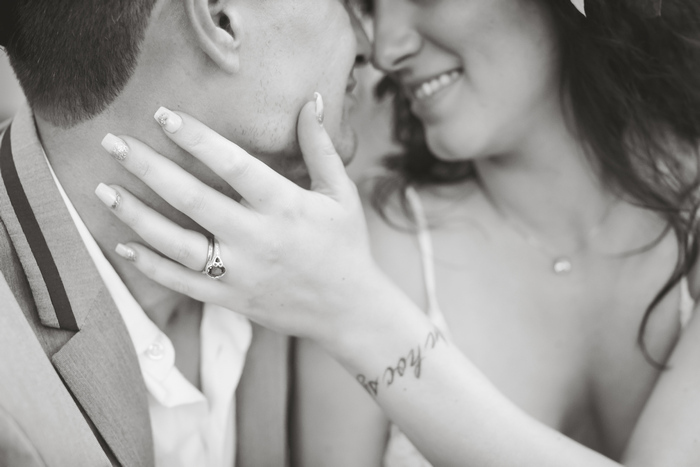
{"type": "Point", "coordinates": [456, 417]}
{"type": "Point", "coordinates": [438, 398]}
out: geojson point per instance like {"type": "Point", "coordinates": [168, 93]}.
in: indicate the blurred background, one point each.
{"type": "Point", "coordinates": [372, 122]}
{"type": "Point", "coordinates": [371, 119]}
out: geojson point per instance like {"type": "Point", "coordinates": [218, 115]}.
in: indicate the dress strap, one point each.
{"type": "Point", "coordinates": [427, 258]}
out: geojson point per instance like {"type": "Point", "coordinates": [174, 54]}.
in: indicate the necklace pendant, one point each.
{"type": "Point", "coordinates": [562, 265]}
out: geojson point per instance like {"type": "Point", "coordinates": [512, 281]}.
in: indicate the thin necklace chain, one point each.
{"type": "Point", "coordinates": [562, 263]}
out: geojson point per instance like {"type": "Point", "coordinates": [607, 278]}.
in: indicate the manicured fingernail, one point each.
{"type": "Point", "coordinates": [125, 252]}
{"type": "Point", "coordinates": [108, 195]}
{"type": "Point", "coordinates": [168, 120]}
{"type": "Point", "coordinates": [319, 108]}
{"type": "Point", "coordinates": [115, 146]}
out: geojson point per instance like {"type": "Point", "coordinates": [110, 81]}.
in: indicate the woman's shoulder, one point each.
{"type": "Point", "coordinates": [394, 232]}
{"type": "Point", "coordinates": [391, 205]}
{"type": "Point", "coordinates": [391, 229]}
{"type": "Point", "coordinates": [394, 240]}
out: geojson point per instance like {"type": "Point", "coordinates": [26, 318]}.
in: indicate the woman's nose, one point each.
{"type": "Point", "coordinates": [395, 38]}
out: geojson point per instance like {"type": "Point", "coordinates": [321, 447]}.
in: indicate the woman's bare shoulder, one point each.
{"type": "Point", "coordinates": [439, 202]}
{"type": "Point", "coordinates": [394, 243]}
{"type": "Point", "coordinates": [390, 224]}
{"type": "Point", "coordinates": [394, 232]}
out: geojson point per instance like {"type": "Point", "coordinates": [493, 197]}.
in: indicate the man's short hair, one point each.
{"type": "Point", "coordinates": [74, 57]}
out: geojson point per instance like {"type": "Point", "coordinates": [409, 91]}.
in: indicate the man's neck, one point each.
{"type": "Point", "coordinates": [80, 164]}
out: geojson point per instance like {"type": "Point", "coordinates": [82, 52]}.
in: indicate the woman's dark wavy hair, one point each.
{"type": "Point", "coordinates": [632, 76]}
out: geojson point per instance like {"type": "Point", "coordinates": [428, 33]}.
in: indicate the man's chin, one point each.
{"type": "Point", "coordinates": [300, 173]}
{"type": "Point", "coordinates": [292, 165]}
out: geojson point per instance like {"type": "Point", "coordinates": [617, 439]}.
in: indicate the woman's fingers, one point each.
{"type": "Point", "coordinates": [212, 210]}
{"type": "Point", "coordinates": [184, 246]}
{"type": "Point", "coordinates": [325, 166]}
{"type": "Point", "coordinates": [171, 274]}
{"type": "Point", "coordinates": [256, 182]}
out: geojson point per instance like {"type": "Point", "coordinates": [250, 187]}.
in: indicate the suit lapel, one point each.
{"type": "Point", "coordinates": [36, 399]}
{"type": "Point", "coordinates": [98, 364]}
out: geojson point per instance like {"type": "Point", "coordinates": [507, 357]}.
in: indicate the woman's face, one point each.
{"type": "Point", "coordinates": [481, 75]}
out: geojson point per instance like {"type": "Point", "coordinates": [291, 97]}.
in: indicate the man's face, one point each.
{"type": "Point", "coordinates": [289, 50]}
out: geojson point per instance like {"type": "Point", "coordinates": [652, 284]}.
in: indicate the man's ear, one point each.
{"type": "Point", "coordinates": [216, 26]}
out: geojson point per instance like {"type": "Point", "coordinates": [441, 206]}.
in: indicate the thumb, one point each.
{"type": "Point", "coordinates": [325, 166]}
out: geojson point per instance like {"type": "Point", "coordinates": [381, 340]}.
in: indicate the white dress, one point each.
{"type": "Point", "coordinates": [400, 452]}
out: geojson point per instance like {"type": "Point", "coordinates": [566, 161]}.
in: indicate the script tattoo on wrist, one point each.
{"type": "Point", "coordinates": [412, 363]}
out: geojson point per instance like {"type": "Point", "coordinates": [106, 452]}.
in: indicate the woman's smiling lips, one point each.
{"type": "Point", "coordinates": [426, 88]}
{"type": "Point", "coordinates": [424, 93]}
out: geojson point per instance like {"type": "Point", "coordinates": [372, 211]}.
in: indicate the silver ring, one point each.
{"type": "Point", "coordinates": [214, 269]}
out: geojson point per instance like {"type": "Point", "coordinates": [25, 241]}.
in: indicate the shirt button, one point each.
{"type": "Point", "coordinates": [155, 351]}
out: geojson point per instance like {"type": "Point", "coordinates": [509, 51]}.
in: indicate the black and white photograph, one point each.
{"type": "Point", "coordinates": [349, 233]}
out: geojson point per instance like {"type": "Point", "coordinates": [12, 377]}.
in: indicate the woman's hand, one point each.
{"type": "Point", "coordinates": [294, 258]}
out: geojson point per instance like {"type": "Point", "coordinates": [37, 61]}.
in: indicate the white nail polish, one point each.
{"type": "Point", "coordinates": [115, 146]}
{"type": "Point", "coordinates": [125, 252]}
{"type": "Point", "coordinates": [319, 108]}
{"type": "Point", "coordinates": [168, 120]}
{"type": "Point", "coordinates": [108, 195]}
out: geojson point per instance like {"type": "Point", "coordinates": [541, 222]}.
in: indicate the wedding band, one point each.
{"type": "Point", "coordinates": [214, 269]}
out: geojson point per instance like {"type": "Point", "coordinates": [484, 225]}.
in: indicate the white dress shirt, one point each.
{"type": "Point", "coordinates": [191, 428]}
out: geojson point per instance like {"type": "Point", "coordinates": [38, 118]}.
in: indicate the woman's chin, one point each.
{"type": "Point", "coordinates": [448, 148]}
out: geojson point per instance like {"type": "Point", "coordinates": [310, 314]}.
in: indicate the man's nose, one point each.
{"type": "Point", "coordinates": [395, 38]}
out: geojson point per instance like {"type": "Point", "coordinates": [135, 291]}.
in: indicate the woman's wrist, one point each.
{"type": "Point", "coordinates": [381, 329]}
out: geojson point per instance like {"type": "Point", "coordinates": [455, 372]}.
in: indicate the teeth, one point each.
{"type": "Point", "coordinates": [429, 88]}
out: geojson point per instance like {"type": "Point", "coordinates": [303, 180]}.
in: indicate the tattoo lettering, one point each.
{"type": "Point", "coordinates": [372, 387]}
{"type": "Point", "coordinates": [412, 361]}
{"type": "Point", "coordinates": [415, 360]}
{"type": "Point", "coordinates": [433, 338]}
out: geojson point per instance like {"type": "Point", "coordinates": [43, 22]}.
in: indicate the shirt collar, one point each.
{"type": "Point", "coordinates": [155, 351]}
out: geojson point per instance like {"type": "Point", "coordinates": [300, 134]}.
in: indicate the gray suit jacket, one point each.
{"type": "Point", "coordinates": [71, 391]}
